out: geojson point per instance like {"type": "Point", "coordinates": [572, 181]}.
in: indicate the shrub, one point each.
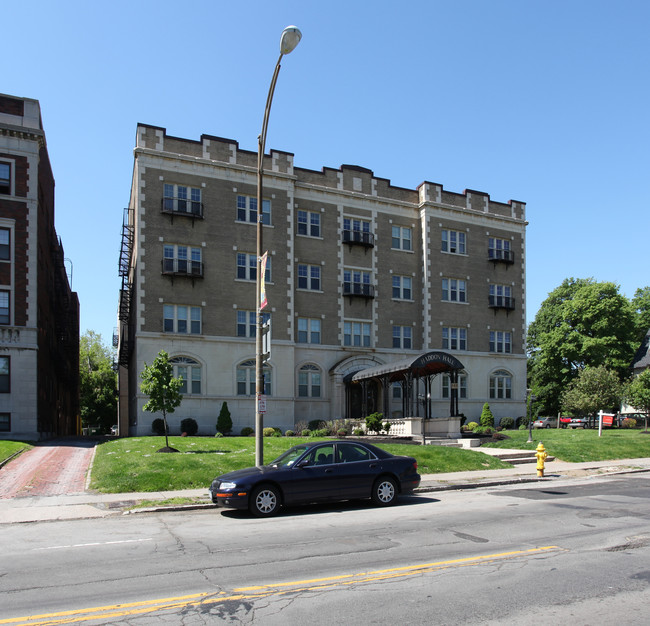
{"type": "Point", "coordinates": [315, 424]}
{"type": "Point", "coordinates": [224, 421]}
{"type": "Point", "coordinates": [289, 433]}
{"type": "Point", "coordinates": [218, 434]}
{"type": "Point", "coordinates": [321, 432]}
{"type": "Point", "coordinates": [472, 426]}
{"type": "Point", "coordinates": [189, 426]}
{"type": "Point", "coordinates": [341, 432]}
{"type": "Point", "coordinates": [507, 422]}
{"type": "Point", "coordinates": [158, 427]}
{"type": "Point", "coordinates": [386, 427]}
{"type": "Point", "coordinates": [247, 431]}
{"type": "Point", "coordinates": [483, 430]}
{"type": "Point", "coordinates": [269, 431]}
{"type": "Point", "coordinates": [358, 432]}
{"type": "Point", "coordinates": [305, 432]}
{"type": "Point", "coordinates": [373, 422]}
{"type": "Point", "coordinates": [523, 427]}
{"type": "Point", "coordinates": [628, 422]}
{"type": "Point", "coordinates": [487, 419]}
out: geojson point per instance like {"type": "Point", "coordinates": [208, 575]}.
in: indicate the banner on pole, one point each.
{"type": "Point", "coordinates": [263, 300]}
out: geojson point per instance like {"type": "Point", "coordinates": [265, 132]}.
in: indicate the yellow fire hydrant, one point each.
{"type": "Point", "coordinates": [541, 455]}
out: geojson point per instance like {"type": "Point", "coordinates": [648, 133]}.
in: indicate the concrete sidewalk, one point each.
{"type": "Point", "coordinates": [92, 505]}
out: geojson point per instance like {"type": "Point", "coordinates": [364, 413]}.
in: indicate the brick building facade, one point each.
{"type": "Point", "coordinates": [361, 273]}
{"type": "Point", "coordinates": [39, 314]}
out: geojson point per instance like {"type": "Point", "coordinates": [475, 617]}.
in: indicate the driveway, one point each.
{"type": "Point", "coordinates": [51, 468]}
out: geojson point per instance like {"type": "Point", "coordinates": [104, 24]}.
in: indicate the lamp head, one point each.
{"type": "Point", "coordinates": [290, 38]}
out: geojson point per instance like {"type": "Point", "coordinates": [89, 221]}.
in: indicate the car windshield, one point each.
{"type": "Point", "coordinates": [289, 457]}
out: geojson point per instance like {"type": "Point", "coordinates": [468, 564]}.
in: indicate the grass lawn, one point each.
{"type": "Point", "coordinates": [576, 445]}
{"type": "Point", "coordinates": [7, 448]}
{"type": "Point", "coordinates": [132, 464]}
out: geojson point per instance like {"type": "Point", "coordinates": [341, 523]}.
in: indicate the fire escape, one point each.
{"type": "Point", "coordinates": [126, 291]}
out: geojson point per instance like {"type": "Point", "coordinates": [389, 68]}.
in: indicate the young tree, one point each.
{"type": "Point", "coordinates": [594, 389]}
{"type": "Point", "coordinates": [638, 394]}
{"type": "Point", "coordinates": [163, 389]}
{"type": "Point", "coordinates": [487, 418]}
{"type": "Point", "coordinates": [581, 324]}
{"type": "Point", "coordinates": [97, 383]}
{"type": "Point", "coordinates": [224, 421]}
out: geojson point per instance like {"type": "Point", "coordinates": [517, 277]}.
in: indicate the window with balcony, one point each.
{"type": "Point", "coordinates": [401, 238]}
{"type": "Point", "coordinates": [499, 250]}
{"type": "Point", "coordinates": [501, 297]}
{"type": "Point", "coordinates": [356, 334]}
{"type": "Point", "coordinates": [5, 177]}
{"type": "Point", "coordinates": [501, 385]}
{"type": "Point", "coordinates": [403, 337]}
{"type": "Point", "coordinates": [189, 370]}
{"type": "Point", "coordinates": [500, 341]}
{"type": "Point", "coordinates": [309, 330]}
{"type": "Point", "coordinates": [309, 277]}
{"type": "Point", "coordinates": [357, 231]}
{"type": "Point", "coordinates": [247, 323]}
{"type": "Point", "coordinates": [182, 319]}
{"type": "Point", "coordinates": [454, 290]}
{"type": "Point", "coordinates": [247, 267]}
{"type": "Point", "coordinates": [182, 260]}
{"type": "Point", "coordinates": [453, 241]}
{"type": "Point", "coordinates": [246, 378]}
{"type": "Point", "coordinates": [357, 283]}
{"type": "Point", "coordinates": [402, 288]}
{"type": "Point", "coordinates": [180, 199]}
{"type": "Point", "coordinates": [462, 385]}
{"type": "Point", "coordinates": [247, 210]}
{"type": "Point", "coordinates": [454, 338]}
{"type": "Point", "coordinates": [308, 223]}
{"type": "Point", "coordinates": [309, 381]}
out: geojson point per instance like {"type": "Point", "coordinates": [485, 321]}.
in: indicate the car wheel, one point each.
{"type": "Point", "coordinates": [384, 491]}
{"type": "Point", "coordinates": [264, 501]}
{"type": "Point", "coordinates": [547, 426]}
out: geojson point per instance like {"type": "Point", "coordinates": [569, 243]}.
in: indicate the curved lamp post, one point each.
{"type": "Point", "coordinates": [288, 41]}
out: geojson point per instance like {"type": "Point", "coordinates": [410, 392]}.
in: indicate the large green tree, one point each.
{"type": "Point", "coordinates": [582, 323]}
{"type": "Point", "coordinates": [641, 304]}
{"type": "Point", "coordinates": [98, 383]}
{"type": "Point", "coordinates": [163, 389]}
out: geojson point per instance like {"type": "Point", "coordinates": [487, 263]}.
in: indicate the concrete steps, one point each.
{"type": "Point", "coordinates": [519, 458]}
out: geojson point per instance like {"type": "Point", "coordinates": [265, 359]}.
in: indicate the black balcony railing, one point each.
{"type": "Point", "coordinates": [182, 267]}
{"type": "Point", "coordinates": [182, 206]}
{"type": "Point", "coordinates": [358, 289]}
{"type": "Point", "coordinates": [503, 256]}
{"type": "Point", "coordinates": [359, 237]}
{"type": "Point", "coordinates": [502, 302]}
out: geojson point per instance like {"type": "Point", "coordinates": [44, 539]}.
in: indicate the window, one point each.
{"type": "Point", "coordinates": [247, 210]}
{"type": "Point", "coordinates": [500, 341]}
{"type": "Point", "coordinates": [462, 385]}
{"type": "Point", "coordinates": [357, 226]}
{"type": "Point", "coordinates": [182, 260]}
{"type": "Point", "coordinates": [397, 391]}
{"type": "Point", "coordinates": [402, 286]}
{"type": "Point", "coordinates": [190, 371]}
{"type": "Point", "coordinates": [309, 277]}
{"type": "Point", "coordinates": [247, 267]}
{"type": "Point", "coordinates": [5, 177]}
{"type": "Point", "coordinates": [5, 247]}
{"type": "Point", "coordinates": [357, 231]}
{"type": "Point", "coordinates": [309, 382]}
{"type": "Point", "coordinates": [454, 290]}
{"type": "Point", "coordinates": [453, 241]}
{"type": "Point", "coordinates": [356, 334]}
{"type": "Point", "coordinates": [181, 319]}
{"type": "Point", "coordinates": [246, 379]}
{"type": "Point", "coordinates": [499, 249]}
{"type": "Point", "coordinates": [309, 330]}
{"type": "Point", "coordinates": [247, 323]}
{"type": "Point", "coordinates": [501, 296]}
{"type": "Point", "coordinates": [454, 338]}
{"type": "Point", "coordinates": [356, 282]}
{"type": "Point", "coordinates": [402, 337]}
{"type": "Point", "coordinates": [4, 307]}
{"type": "Point", "coordinates": [401, 239]}
{"type": "Point", "coordinates": [309, 223]}
{"type": "Point", "coordinates": [501, 385]}
{"type": "Point", "coordinates": [182, 199]}
{"type": "Point", "coordinates": [5, 374]}
{"type": "Point", "coordinates": [5, 422]}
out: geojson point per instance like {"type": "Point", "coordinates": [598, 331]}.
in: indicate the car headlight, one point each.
{"type": "Point", "coordinates": [227, 485]}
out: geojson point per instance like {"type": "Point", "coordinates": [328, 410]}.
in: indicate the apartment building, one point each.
{"type": "Point", "coordinates": [360, 274]}
{"type": "Point", "coordinates": [39, 313]}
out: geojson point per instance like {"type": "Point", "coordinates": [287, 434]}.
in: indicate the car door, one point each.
{"type": "Point", "coordinates": [314, 478]}
{"type": "Point", "coordinates": [357, 470]}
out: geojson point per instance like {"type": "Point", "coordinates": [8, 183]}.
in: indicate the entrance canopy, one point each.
{"type": "Point", "coordinates": [428, 364]}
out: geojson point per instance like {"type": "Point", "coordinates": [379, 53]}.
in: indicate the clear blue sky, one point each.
{"type": "Point", "coordinates": [540, 101]}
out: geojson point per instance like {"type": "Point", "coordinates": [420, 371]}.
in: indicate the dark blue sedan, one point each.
{"type": "Point", "coordinates": [318, 472]}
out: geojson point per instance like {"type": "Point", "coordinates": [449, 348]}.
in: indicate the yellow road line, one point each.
{"type": "Point", "coordinates": [259, 591]}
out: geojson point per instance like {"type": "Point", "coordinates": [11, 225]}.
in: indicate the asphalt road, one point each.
{"type": "Point", "coordinates": [575, 552]}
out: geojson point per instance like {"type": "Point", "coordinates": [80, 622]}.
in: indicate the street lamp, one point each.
{"type": "Point", "coordinates": [288, 41]}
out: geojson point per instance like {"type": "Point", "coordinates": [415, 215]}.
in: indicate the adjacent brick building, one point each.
{"type": "Point", "coordinates": [39, 313]}
{"type": "Point", "coordinates": [361, 273]}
